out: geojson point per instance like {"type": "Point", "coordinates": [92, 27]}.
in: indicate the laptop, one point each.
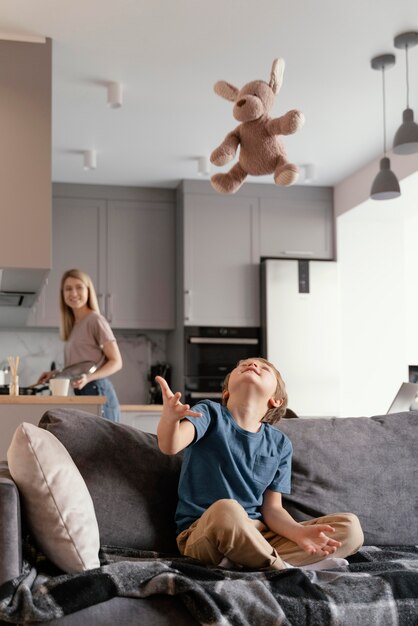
{"type": "Point", "coordinates": [406, 399]}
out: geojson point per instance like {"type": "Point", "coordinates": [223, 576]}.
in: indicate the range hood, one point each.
{"type": "Point", "coordinates": [20, 287]}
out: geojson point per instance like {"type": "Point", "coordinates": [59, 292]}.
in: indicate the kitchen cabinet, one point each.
{"type": "Point", "coordinates": [220, 242]}
{"type": "Point", "coordinates": [222, 239]}
{"type": "Point", "coordinates": [140, 268]}
{"type": "Point", "coordinates": [25, 123]}
{"type": "Point", "coordinates": [143, 417]}
{"type": "Point", "coordinates": [76, 243]}
{"type": "Point", "coordinates": [220, 260]}
{"type": "Point", "coordinates": [297, 227]}
{"type": "Point", "coordinates": [127, 247]}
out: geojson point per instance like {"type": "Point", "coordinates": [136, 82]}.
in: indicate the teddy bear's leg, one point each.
{"type": "Point", "coordinates": [231, 181]}
{"type": "Point", "coordinates": [286, 174]}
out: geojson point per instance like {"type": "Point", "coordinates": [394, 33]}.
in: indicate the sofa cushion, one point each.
{"type": "Point", "coordinates": [365, 465]}
{"type": "Point", "coordinates": [132, 484]}
{"type": "Point", "coordinates": [58, 507]}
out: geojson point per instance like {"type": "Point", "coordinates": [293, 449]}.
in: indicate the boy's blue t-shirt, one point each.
{"type": "Point", "coordinates": [226, 461]}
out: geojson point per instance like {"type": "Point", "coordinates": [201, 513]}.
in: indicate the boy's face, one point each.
{"type": "Point", "coordinates": [258, 373]}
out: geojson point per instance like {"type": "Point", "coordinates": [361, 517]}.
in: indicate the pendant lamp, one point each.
{"type": "Point", "coordinates": [406, 137]}
{"type": "Point", "coordinates": [385, 185]}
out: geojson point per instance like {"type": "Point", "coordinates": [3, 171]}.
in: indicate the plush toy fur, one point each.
{"type": "Point", "coordinates": [261, 150]}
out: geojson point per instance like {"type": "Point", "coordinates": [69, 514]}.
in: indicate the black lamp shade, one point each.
{"type": "Point", "coordinates": [406, 138]}
{"type": "Point", "coordinates": [385, 185]}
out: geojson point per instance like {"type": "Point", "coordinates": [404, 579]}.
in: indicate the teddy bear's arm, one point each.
{"type": "Point", "coordinates": [227, 150]}
{"type": "Point", "coordinates": [286, 124]}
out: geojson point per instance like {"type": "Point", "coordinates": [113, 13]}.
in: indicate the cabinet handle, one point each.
{"type": "Point", "coordinates": [187, 305]}
{"type": "Point", "coordinates": [224, 340]}
{"type": "Point", "coordinates": [298, 252]}
{"type": "Point", "coordinates": [101, 302]}
{"type": "Point", "coordinates": [109, 312]}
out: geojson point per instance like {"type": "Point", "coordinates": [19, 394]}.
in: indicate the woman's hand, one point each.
{"type": "Point", "coordinates": [314, 539]}
{"type": "Point", "coordinates": [80, 382]}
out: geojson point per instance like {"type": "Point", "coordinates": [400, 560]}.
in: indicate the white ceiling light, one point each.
{"type": "Point", "coordinates": [406, 137]}
{"type": "Point", "coordinates": [203, 166]}
{"type": "Point", "coordinates": [90, 160]}
{"type": "Point", "coordinates": [310, 172]}
{"type": "Point", "coordinates": [114, 95]}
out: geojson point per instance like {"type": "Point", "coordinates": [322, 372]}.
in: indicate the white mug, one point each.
{"type": "Point", "coordinates": [59, 386]}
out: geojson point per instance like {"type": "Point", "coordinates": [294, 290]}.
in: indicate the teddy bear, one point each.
{"type": "Point", "coordinates": [261, 150]}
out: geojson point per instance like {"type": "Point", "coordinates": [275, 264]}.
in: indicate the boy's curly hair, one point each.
{"type": "Point", "coordinates": [273, 414]}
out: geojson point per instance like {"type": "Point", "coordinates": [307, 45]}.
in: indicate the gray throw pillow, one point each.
{"type": "Point", "coordinates": [364, 465]}
{"type": "Point", "coordinates": [132, 484]}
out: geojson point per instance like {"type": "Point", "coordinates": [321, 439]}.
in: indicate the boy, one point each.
{"type": "Point", "coordinates": [235, 468]}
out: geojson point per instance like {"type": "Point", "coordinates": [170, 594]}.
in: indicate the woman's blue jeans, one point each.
{"type": "Point", "coordinates": [103, 387]}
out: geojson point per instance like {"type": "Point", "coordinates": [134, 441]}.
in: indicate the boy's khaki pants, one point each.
{"type": "Point", "coordinates": [225, 530]}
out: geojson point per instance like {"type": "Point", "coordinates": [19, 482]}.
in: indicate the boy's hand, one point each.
{"type": "Point", "coordinates": [173, 409]}
{"type": "Point", "coordinates": [314, 539]}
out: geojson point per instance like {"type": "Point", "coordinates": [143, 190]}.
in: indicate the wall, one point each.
{"type": "Point", "coordinates": [38, 348]}
{"type": "Point", "coordinates": [377, 254]}
{"type": "Point", "coordinates": [411, 289]}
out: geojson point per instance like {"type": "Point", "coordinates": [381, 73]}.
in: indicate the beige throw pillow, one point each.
{"type": "Point", "coordinates": [57, 503]}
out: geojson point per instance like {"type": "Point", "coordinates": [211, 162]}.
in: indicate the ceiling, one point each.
{"type": "Point", "coordinates": [169, 53]}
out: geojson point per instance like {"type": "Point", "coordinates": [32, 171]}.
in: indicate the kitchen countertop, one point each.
{"type": "Point", "coordinates": [64, 400]}
{"type": "Point", "coordinates": [151, 408]}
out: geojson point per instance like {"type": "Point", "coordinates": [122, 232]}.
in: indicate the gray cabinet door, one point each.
{"type": "Point", "coordinates": [127, 247]}
{"type": "Point", "coordinates": [76, 243]}
{"type": "Point", "coordinates": [140, 265]}
{"type": "Point", "coordinates": [221, 282]}
{"type": "Point", "coordinates": [296, 229]}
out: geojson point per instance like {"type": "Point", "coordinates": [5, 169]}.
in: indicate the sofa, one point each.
{"type": "Point", "coordinates": [120, 566]}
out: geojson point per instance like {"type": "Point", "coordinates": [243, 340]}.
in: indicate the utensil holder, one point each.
{"type": "Point", "coordinates": [14, 386]}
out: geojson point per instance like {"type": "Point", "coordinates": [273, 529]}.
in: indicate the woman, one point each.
{"type": "Point", "coordinates": [88, 337]}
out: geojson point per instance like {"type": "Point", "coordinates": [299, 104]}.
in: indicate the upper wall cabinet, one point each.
{"type": "Point", "coordinates": [140, 265]}
{"type": "Point", "coordinates": [127, 247]}
{"type": "Point", "coordinates": [75, 244]}
{"type": "Point", "coordinates": [220, 257]}
{"type": "Point", "coordinates": [297, 224]}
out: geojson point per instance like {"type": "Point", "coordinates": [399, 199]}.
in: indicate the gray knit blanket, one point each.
{"type": "Point", "coordinates": [379, 588]}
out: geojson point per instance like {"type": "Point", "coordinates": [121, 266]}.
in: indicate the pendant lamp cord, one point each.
{"type": "Point", "coordinates": [407, 77]}
{"type": "Point", "coordinates": [384, 110]}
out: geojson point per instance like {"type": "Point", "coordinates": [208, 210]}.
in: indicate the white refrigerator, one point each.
{"type": "Point", "coordinates": [301, 331]}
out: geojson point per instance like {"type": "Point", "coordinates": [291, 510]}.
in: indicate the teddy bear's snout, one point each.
{"type": "Point", "coordinates": [247, 108]}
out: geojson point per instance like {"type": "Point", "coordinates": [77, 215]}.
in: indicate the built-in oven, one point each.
{"type": "Point", "coordinates": [210, 353]}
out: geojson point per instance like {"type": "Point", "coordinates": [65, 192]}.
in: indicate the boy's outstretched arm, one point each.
{"type": "Point", "coordinates": [173, 433]}
{"type": "Point", "coordinates": [313, 539]}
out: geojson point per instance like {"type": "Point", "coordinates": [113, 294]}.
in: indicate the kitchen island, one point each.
{"type": "Point", "coordinates": [17, 409]}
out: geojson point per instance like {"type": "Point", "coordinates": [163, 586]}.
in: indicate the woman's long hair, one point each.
{"type": "Point", "coordinates": [67, 315]}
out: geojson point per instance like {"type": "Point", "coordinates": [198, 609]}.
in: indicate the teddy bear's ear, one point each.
{"type": "Point", "coordinates": [226, 90]}
{"type": "Point", "coordinates": [276, 76]}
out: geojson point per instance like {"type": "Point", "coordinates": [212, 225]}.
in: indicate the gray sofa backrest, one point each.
{"type": "Point", "coordinates": [132, 484]}
{"type": "Point", "coordinates": [365, 465]}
